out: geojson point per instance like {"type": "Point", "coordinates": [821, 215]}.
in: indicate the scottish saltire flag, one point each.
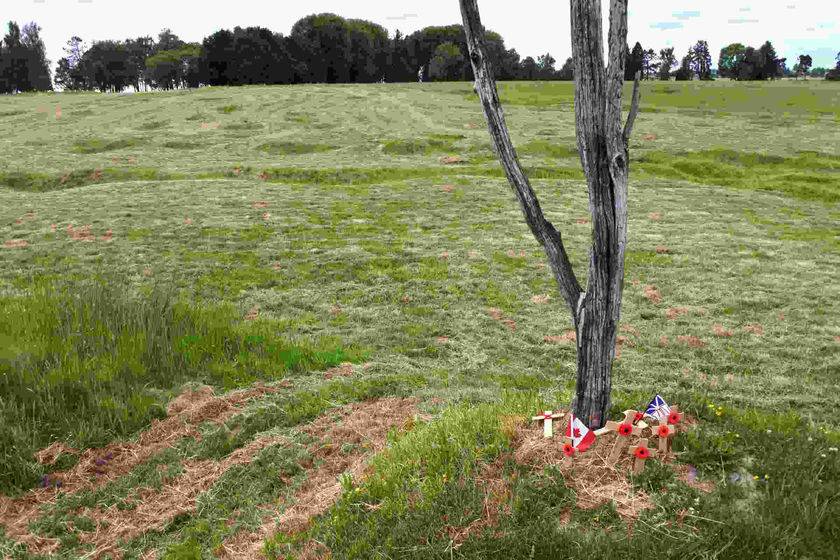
{"type": "Point", "coordinates": [580, 435]}
{"type": "Point", "coordinates": [658, 409]}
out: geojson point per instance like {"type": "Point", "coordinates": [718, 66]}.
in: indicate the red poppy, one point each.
{"type": "Point", "coordinates": [547, 415]}
{"type": "Point", "coordinates": [642, 453]}
{"type": "Point", "coordinates": [625, 429]}
{"type": "Point", "coordinates": [638, 417]}
{"type": "Point", "coordinates": [664, 431]}
{"type": "Point", "coordinates": [674, 418]}
{"type": "Point", "coordinates": [568, 450]}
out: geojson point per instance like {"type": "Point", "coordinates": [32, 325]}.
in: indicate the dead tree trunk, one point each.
{"type": "Point", "coordinates": [603, 146]}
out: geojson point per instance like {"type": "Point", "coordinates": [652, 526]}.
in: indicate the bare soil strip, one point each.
{"type": "Point", "coordinates": [96, 467]}
{"type": "Point", "coordinates": [363, 425]}
{"type": "Point", "coordinates": [156, 508]}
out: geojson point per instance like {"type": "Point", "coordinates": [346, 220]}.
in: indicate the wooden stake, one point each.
{"type": "Point", "coordinates": [641, 453]}
{"type": "Point", "coordinates": [547, 418]}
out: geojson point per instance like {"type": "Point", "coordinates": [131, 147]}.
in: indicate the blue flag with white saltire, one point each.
{"type": "Point", "coordinates": [658, 409]}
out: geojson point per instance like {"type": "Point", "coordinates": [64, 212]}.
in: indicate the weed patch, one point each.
{"type": "Point", "coordinates": [100, 145]}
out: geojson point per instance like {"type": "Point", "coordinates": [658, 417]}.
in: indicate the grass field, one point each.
{"type": "Point", "coordinates": [309, 246]}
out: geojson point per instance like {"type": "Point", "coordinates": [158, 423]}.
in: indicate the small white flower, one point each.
{"type": "Point", "coordinates": [833, 449]}
{"type": "Point", "coordinates": [823, 455]}
{"type": "Point", "coordinates": [769, 431]}
{"type": "Point", "coordinates": [810, 438]}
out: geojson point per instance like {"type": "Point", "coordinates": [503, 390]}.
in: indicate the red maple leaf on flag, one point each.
{"type": "Point", "coordinates": [577, 433]}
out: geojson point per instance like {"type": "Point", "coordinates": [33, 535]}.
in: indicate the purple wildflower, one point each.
{"type": "Point", "coordinates": [692, 473]}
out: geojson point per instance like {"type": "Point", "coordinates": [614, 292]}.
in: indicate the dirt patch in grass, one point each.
{"type": "Point", "coordinates": [568, 336]}
{"type": "Point", "coordinates": [497, 315]}
{"type": "Point", "coordinates": [691, 341]}
{"type": "Point", "coordinates": [673, 312]}
{"type": "Point", "coordinates": [652, 294]}
{"type": "Point", "coordinates": [156, 508]}
{"type": "Point", "coordinates": [720, 330]}
{"type": "Point", "coordinates": [16, 244]}
{"type": "Point", "coordinates": [96, 467]}
{"type": "Point", "coordinates": [343, 370]}
{"type": "Point", "coordinates": [754, 328]}
{"type": "Point", "coordinates": [365, 427]}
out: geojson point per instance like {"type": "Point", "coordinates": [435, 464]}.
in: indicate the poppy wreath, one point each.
{"type": "Point", "coordinates": [642, 453]}
{"type": "Point", "coordinates": [674, 418]}
{"type": "Point", "coordinates": [568, 449]}
{"type": "Point", "coordinates": [664, 431]}
{"type": "Point", "coordinates": [625, 429]}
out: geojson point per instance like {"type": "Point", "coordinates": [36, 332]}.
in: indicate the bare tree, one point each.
{"type": "Point", "coordinates": [603, 146]}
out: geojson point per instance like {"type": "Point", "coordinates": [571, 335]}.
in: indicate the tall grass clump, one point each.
{"type": "Point", "coordinates": [92, 363]}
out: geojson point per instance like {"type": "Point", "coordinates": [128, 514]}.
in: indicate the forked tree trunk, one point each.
{"type": "Point", "coordinates": [602, 143]}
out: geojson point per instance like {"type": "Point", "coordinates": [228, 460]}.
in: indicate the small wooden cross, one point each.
{"type": "Point", "coordinates": [547, 418]}
{"type": "Point", "coordinates": [642, 453]}
{"type": "Point", "coordinates": [664, 432]}
{"type": "Point", "coordinates": [623, 430]}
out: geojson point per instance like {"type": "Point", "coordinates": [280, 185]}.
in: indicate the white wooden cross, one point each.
{"type": "Point", "coordinates": [641, 453]}
{"type": "Point", "coordinates": [547, 418]}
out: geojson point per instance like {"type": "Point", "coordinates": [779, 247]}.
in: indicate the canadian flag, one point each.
{"type": "Point", "coordinates": [582, 437]}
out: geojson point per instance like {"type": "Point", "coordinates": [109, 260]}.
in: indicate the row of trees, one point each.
{"type": "Point", "coordinates": [322, 48]}
{"type": "Point", "coordinates": [330, 49]}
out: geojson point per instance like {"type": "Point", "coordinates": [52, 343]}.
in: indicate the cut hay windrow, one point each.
{"type": "Point", "coordinates": [365, 426]}
{"type": "Point", "coordinates": [96, 467]}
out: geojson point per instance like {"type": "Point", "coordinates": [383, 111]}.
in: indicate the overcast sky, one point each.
{"type": "Point", "coordinates": [532, 27]}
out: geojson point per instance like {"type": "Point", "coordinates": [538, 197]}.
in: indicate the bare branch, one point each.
{"type": "Point", "coordinates": [541, 228]}
{"type": "Point", "coordinates": [634, 109]}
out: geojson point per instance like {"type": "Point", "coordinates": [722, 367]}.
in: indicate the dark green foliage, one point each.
{"type": "Point", "coordinates": [741, 62]}
{"type": "Point", "coordinates": [23, 60]}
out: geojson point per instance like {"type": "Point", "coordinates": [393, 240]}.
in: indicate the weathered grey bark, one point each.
{"type": "Point", "coordinates": [603, 146]}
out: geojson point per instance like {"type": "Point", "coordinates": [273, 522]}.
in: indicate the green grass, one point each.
{"type": "Point", "coordinates": [99, 145]}
{"type": "Point", "coordinates": [94, 364]}
{"type": "Point", "coordinates": [811, 176]}
{"type": "Point", "coordinates": [279, 148]}
{"type": "Point", "coordinates": [369, 248]}
{"type": "Point", "coordinates": [425, 482]}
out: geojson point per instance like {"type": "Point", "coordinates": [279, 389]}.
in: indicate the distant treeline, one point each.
{"type": "Point", "coordinates": [326, 48]}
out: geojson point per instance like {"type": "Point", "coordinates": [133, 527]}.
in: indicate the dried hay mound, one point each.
{"type": "Point", "coordinates": [594, 481]}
